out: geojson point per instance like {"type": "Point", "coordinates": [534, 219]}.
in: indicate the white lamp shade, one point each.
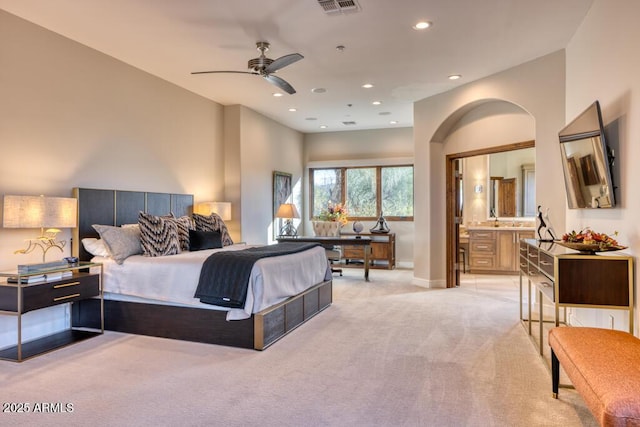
{"type": "Point", "coordinates": [39, 212]}
{"type": "Point", "coordinates": [221, 208]}
{"type": "Point", "coordinates": [287, 210]}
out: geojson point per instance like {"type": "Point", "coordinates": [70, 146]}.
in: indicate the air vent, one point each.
{"type": "Point", "coordinates": [335, 7]}
{"type": "Point", "coordinates": [349, 123]}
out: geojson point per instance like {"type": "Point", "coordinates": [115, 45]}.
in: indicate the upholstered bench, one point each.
{"type": "Point", "coordinates": [604, 367]}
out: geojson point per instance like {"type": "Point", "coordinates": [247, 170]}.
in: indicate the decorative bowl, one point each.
{"type": "Point", "coordinates": [590, 249]}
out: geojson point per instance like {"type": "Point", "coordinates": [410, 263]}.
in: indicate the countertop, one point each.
{"type": "Point", "coordinates": [502, 227]}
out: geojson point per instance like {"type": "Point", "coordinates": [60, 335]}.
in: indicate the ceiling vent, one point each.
{"type": "Point", "coordinates": [349, 123]}
{"type": "Point", "coordinates": [336, 7]}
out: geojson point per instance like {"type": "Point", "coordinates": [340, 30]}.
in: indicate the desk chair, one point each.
{"type": "Point", "coordinates": [334, 253]}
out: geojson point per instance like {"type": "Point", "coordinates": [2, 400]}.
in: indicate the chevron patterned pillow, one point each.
{"type": "Point", "coordinates": [213, 222]}
{"type": "Point", "coordinates": [158, 236]}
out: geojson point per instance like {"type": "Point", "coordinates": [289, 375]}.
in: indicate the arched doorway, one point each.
{"type": "Point", "coordinates": [479, 128]}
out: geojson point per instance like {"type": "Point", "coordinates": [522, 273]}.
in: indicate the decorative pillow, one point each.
{"type": "Point", "coordinates": [95, 247]}
{"type": "Point", "coordinates": [121, 242]}
{"type": "Point", "coordinates": [213, 222]}
{"type": "Point", "coordinates": [199, 240]}
{"type": "Point", "coordinates": [183, 225]}
{"type": "Point", "coordinates": [159, 236]}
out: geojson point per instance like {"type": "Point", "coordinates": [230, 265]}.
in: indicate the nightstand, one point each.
{"type": "Point", "coordinates": [79, 281]}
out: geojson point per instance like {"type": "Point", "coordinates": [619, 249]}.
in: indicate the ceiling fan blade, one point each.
{"type": "Point", "coordinates": [282, 62]}
{"type": "Point", "coordinates": [212, 72]}
{"type": "Point", "coordinates": [277, 81]}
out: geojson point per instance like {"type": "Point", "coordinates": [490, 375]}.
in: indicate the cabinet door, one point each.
{"type": "Point", "coordinates": [379, 250]}
{"type": "Point", "coordinates": [507, 251]}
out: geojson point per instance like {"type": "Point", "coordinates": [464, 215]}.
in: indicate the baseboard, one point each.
{"type": "Point", "coordinates": [429, 284]}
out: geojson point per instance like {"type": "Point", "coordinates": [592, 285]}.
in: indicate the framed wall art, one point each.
{"type": "Point", "coordinates": [281, 191]}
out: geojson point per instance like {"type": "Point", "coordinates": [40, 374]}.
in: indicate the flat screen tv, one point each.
{"type": "Point", "coordinates": [587, 161]}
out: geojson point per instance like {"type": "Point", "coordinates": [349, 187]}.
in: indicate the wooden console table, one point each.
{"type": "Point", "coordinates": [568, 278]}
{"type": "Point", "coordinates": [365, 242]}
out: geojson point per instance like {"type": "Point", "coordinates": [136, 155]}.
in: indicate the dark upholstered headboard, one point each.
{"type": "Point", "coordinates": [117, 207]}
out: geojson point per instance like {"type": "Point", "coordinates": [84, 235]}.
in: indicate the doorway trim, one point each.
{"type": "Point", "coordinates": [452, 195]}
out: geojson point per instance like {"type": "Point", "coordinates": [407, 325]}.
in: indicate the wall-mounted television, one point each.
{"type": "Point", "coordinates": [587, 161]}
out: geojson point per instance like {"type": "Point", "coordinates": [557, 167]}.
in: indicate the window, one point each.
{"type": "Point", "coordinates": [327, 188]}
{"type": "Point", "coordinates": [365, 191]}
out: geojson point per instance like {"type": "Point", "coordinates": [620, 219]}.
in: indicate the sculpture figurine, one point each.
{"type": "Point", "coordinates": [545, 230]}
{"type": "Point", "coordinates": [381, 226]}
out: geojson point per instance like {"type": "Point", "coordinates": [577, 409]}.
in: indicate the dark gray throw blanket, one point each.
{"type": "Point", "coordinates": [224, 277]}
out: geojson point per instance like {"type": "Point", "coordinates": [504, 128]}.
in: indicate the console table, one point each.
{"type": "Point", "coordinates": [365, 242]}
{"type": "Point", "coordinates": [567, 278]}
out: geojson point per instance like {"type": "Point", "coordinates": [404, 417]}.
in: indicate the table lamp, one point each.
{"type": "Point", "coordinates": [288, 211]}
{"type": "Point", "coordinates": [49, 214]}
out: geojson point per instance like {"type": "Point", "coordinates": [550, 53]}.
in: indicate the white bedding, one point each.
{"type": "Point", "coordinates": [173, 279]}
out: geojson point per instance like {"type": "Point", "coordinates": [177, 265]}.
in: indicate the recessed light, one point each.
{"type": "Point", "coordinates": [376, 102]}
{"type": "Point", "coordinates": [367, 85]}
{"type": "Point", "coordinates": [455, 76]}
{"type": "Point", "coordinates": [323, 126]}
{"type": "Point", "coordinates": [293, 110]}
{"type": "Point", "coordinates": [278, 94]}
{"type": "Point", "coordinates": [393, 122]}
{"type": "Point", "coordinates": [318, 90]}
{"type": "Point", "coordinates": [422, 25]}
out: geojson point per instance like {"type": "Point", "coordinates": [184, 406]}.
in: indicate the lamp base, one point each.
{"type": "Point", "coordinates": [288, 229]}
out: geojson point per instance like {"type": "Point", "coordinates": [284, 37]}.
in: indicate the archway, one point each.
{"type": "Point", "coordinates": [480, 127]}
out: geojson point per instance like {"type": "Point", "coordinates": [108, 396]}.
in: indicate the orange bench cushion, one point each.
{"type": "Point", "coordinates": [604, 367]}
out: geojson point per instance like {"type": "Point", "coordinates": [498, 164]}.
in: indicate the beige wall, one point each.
{"type": "Point", "coordinates": [603, 64]}
{"type": "Point", "coordinates": [538, 88]}
{"type": "Point", "coordinates": [265, 146]}
{"type": "Point", "coordinates": [72, 116]}
{"type": "Point", "coordinates": [364, 148]}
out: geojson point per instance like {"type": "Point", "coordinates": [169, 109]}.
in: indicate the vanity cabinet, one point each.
{"type": "Point", "coordinates": [495, 251]}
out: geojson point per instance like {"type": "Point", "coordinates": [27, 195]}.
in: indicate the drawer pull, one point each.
{"type": "Point", "coordinates": [482, 246]}
{"type": "Point", "coordinates": [523, 249]}
{"type": "Point", "coordinates": [64, 285]}
{"type": "Point", "coordinates": [533, 256]}
{"type": "Point", "coordinates": [545, 262]}
{"type": "Point", "coordinates": [66, 297]}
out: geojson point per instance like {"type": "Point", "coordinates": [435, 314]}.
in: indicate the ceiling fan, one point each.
{"type": "Point", "coordinates": [265, 67]}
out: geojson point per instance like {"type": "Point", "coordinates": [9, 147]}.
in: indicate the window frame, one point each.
{"type": "Point", "coordinates": [343, 190]}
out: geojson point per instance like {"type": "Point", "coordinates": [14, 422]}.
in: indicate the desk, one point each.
{"type": "Point", "coordinates": [336, 241]}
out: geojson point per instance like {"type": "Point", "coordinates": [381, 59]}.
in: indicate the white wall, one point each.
{"type": "Point", "coordinates": [364, 148]}
{"type": "Point", "coordinates": [71, 116]}
{"type": "Point", "coordinates": [264, 146]}
{"type": "Point", "coordinates": [538, 88]}
{"type": "Point", "coordinates": [603, 64]}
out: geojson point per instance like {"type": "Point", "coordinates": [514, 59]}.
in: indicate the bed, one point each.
{"type": "Point", "coordinates": [126, 310]}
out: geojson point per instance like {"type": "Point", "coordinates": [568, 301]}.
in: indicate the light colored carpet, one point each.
{"type": "Point", "coordinates": [386, 353]}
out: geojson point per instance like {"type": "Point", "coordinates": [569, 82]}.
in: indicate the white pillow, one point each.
{"type": "Point", "coordinates": [95, 247]}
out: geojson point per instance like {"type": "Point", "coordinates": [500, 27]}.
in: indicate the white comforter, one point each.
{"type": "Point", "coordinates": [173, 279]}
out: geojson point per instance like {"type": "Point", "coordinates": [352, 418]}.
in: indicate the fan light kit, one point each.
{"type": "Point", "coordinates": [265, 67]}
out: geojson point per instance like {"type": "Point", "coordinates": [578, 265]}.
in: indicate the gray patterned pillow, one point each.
{"type": "Point", "coordinates": [159, 236]}
{"type": "Point", "coordinates": [183, 225]}
{"type": "Point", "coordinates": [213, 222]}
{"type": "Point", "coordinates": [121, 242]}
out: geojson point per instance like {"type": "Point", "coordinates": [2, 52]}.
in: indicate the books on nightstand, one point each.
{"type": "Point", "coordinates": [33, 268]}
{"type": "Point", "coordinates": [48, 277]}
